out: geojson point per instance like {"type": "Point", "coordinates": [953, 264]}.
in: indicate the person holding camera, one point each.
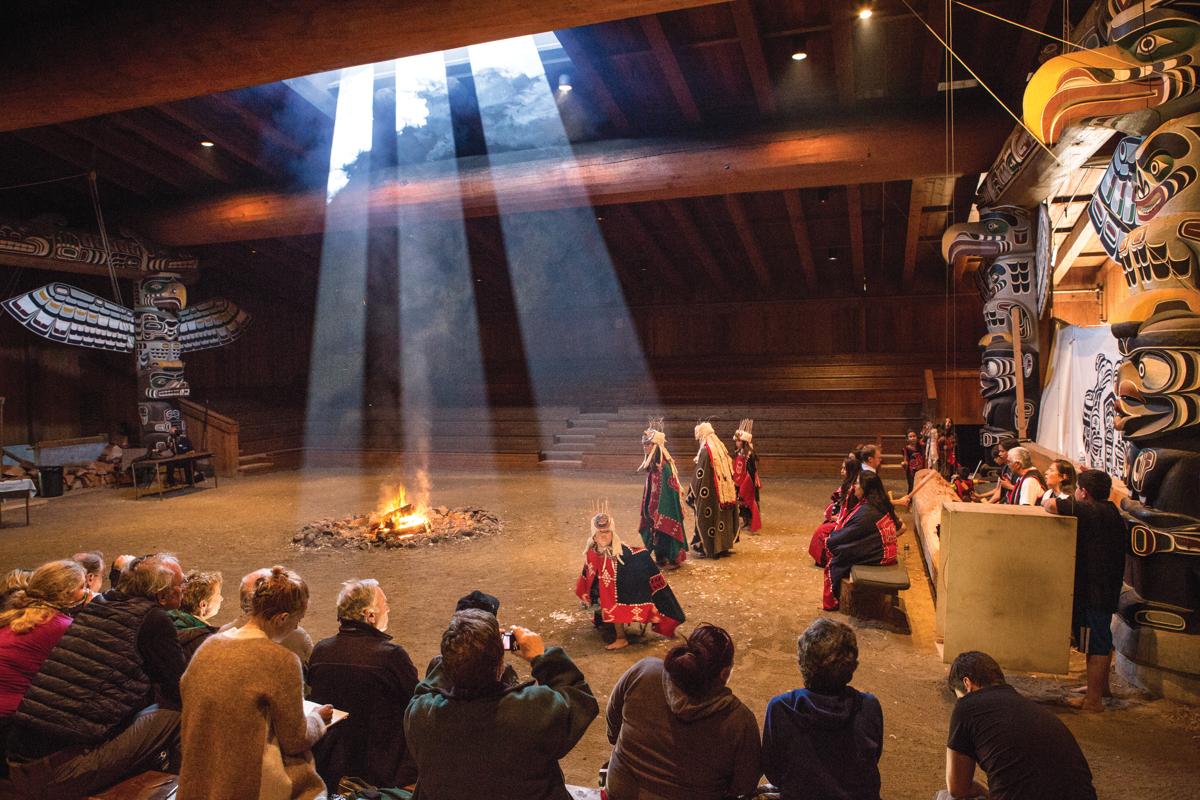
{"type": "Point", "coordinates": [473, 736]}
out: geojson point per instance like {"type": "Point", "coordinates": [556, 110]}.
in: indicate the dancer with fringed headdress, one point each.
{"type": "Point", "coordinates": [745, 476]}
{"type": "Point", "coordinates": [661, 523]}
{"type": "Point", "coordinates": [624, 586]}
{"type": "Point", "coordinates": [713, 495]}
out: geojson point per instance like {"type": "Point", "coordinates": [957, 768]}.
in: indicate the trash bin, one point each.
{"type": "Point", "coordinates": [51, 479]}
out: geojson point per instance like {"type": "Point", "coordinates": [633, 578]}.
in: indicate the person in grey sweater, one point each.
{"type": "Point", "coordinates": [678, 732]}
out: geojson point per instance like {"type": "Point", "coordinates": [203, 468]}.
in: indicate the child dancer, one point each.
{"type": "Point", "coordinates": [745, 475]}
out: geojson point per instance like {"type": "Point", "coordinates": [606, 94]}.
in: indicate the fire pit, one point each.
{"type": "Point", "coordinates": [401, 524]}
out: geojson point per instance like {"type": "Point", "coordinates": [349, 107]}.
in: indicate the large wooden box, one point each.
{"type": "Point", "coordinates": [1006, 585]}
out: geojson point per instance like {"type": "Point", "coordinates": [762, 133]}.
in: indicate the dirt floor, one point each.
{"type": "Point", "coordinates": [764, 595]}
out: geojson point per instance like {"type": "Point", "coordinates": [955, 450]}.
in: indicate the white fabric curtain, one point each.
{"type": "Point", "coordinates": [1079, 401]}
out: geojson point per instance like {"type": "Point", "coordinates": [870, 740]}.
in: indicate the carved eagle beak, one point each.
{"type": "Point", "coordinates": [1102, 82]}
{"type": "Point", "coordinates": [969, 240]}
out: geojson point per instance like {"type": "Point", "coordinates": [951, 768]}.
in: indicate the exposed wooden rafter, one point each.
{"type": "Point", "coordinates": [146, 125]}
{"type": "Point", "coordinates": [933, 58]}
{"type": "Point", "coordinates": [628, 221]}
{"type": "Point", "coordinates": [116, 56]}
{"type": "Point", "coordinates": [857, 258]}
{"type": "Point", "coordinates": [917, 198]}
{"type": "Point", "coordinates": [669, 65]}
{"type": "Point", "coordinates": [85, 156]}
{"type": "Point", "coordinates": [799, 225]}
{"type": "Point", "coordinates": [1082, 236]}
{"type": "Point", "coordinates": [752, 49]}
{"type": "Point", "coordinates": [842, 14]}
{"type": "Point", "coordinates": [245, 149]}
{"type": "Point", "coordinates": [593, 83]}
{"type": "Point", "coordinates": [1036, 15]}
{"type": "Point", "coordinates": [701, 252]}
{"type": "Point", "coordinates": [745, 232]}
{"type": "Point", "coordinates": [603, 173]}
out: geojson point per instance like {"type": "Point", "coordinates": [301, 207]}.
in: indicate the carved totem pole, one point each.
{"type": "Point", "coordinates": [1142, 79]}
{"type": "Point", "coordinates": [159, 330]}
{"type": "Point", "coordinates": [1011, 273]}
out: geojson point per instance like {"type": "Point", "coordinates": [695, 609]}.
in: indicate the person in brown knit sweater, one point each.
{"type": "Point", "coordinates": [244, 730]}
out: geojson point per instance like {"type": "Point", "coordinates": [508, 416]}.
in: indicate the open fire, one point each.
{"type": "Point", "coordinates": [400, 523]}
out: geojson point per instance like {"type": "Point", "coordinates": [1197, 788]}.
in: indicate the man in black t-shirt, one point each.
{"type": "Point", "coordinates": [1100, 545]}
{"type": "Point", "coordinates": [1026, 751]}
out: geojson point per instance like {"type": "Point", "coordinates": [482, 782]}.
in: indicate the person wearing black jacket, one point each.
{"type": "Point", "coordinates": [866, 536]}
{"type": "Point", "coordinates": [824, 741]}
{"type": "Point", "coordinates": [362, 671]}
{"type": "Point", "coordinates": [89, 718]}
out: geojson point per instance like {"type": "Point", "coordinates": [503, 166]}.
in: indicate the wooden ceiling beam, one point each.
{"type": "Point", "coordinates": [259, 127]}
{"type": "Point", "coordinates": [1036, 15]}
{"type": "Point", "coordinates": [872, 149]}
{"type": "Point", "coordinates": [243, 148]}
{"type": "Point", "coordinates": [87, 157]}
{"type": "Point", "coordinates": [187, 50]}
{"type": "Point", "coordinates": [795, 210]}
{"type": "Point", "coordinates": [843, 51]}
{"type": "Point", "coordinates": [745, 232]}
{"type": "Point", "coordinates": [1082, 235]}
{"type": "Point", "coordinates": [592, 81]}
{"type": "Point", "coordinates": [628, 221]}
{"type": "Point", "coordinates": [918, 196]}
{"type": "Point", "coordinates": [132, 150]}
{"type": "Point", "coordinates": [146, 125]}
{"type": "Point", "coordinates": [695, 241]}
{"type": "Point", "coordinates": [669, 65]}
{"type": "Point", "coordinates": [933, 60]}
{"type": "Point", "coordinates": [752, 49]}
{"type": "Point", "coordinates": [854, 212]}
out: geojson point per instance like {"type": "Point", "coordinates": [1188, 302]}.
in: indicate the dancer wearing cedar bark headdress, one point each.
{"type": "Point", "coordinates": [661, 524]}
{"type": "Point", "coordinates": [745, 476]}
{"type": "Point", "coordinates": [713, 495]}
{"type": "Point", "coordinates": [625, 585]}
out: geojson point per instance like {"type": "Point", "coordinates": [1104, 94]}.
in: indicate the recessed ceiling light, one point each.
{"type": "Point", "coordinates": [799, 55]}
{"type": "Point", "coordinates": [207, 143]}
{"type": "Point", "coordinates": [865, 13]}
{"type": "Point", "coordinates": [564, 83]}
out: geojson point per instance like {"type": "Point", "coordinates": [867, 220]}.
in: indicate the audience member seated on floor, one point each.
{"type": "Point", "coordinates": [480, 738]}
{"type": "Point", "coordinates": [868, 536]}
{"type": "Point", "coordinates": [201, 602]}
{"type": "Point", "coordinates": [362, 671]}
{"type": "Point", "coordinates": [1028, 484]}
{"type": "Point", "coordinates": [1100, 544]}
{"type": "Point", "coordinates": [14, 580]}
{"type": "Point", "coordinates": [298, 640]}
{"type": "Point", "coordinates": [484, 602]}
{"type": "Point", "coordinates": [825, 740]}
{"type": "Point", "coordinates": [34, 622]}
{"type": "Point", "coordinates": [89, 719]}
{"type": "Point", "coordinates": [1060, 480]}
{"type": "Point", "coordinates": [1004, 484]}
{"type": "Point", "coordinates": [93, 564]}
{"type": "Point", "coordinates": [245, 733]}
{"type": "Point", "coordinates": [1026, 751]}
{"type": "Point", "coordinates": [677, 730]}
{"type": "Point", "coordinates": [870, 456]}
{"type": "Point", "coordinates": [119, 565]}
{"type": "Point", "coordinates": [841, 503]}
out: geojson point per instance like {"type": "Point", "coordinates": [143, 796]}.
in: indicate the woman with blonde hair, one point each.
{"type": "Point", "coordinates": [250, 688]}
{"type": "Point", "coordinates": [33, 622]}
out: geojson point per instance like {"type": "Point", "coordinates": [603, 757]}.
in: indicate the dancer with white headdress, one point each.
{"type": "Point", "coordinates": [624, 586]}
{"type": "Point", "coordinates": [745, 476]}
{"type": "Point", "coordinates": [713, 495]}
{"type": "Point", "coordinates": [661, 523]}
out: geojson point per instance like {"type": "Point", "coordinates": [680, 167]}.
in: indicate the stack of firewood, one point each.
{"type": "Point", "coordinates": [75, 476]}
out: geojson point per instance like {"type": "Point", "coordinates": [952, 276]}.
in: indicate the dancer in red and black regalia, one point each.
{"type": "Point", "coordinates": [948, 448]}
{"type": "Point", "coordinates": [745, 476]}
{"type": "Point", "coordinates": [625, 586]}
{"type": "Point", "coordinates": [868, 536]}
{"type": "Point", "coordinates": [914, 457]}
{"type": "Point", "coordinates": [661, 524]}
{"type": "Point", "coordinates": [841, 503]}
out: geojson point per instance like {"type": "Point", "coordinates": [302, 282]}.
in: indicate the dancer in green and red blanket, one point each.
{"type": "Point", "coordinates": [745, 475]}
{"type": "Point", "coordinates": [661, 524]}
{"type": "Point", "coordinates": [625, 586]}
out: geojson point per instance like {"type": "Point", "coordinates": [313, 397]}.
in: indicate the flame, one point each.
{"type": "Point", "coordinates": [399, 515]}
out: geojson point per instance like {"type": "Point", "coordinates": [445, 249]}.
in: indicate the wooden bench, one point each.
{"type": "Point", "coordinates": [873, 592]}
{"type": "Point", "coordinates": [146, 786]}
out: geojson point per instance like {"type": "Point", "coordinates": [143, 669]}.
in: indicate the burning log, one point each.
{"type": "Point", "coordinates": [399, 527]}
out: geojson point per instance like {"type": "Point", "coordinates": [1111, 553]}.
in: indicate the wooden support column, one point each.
{"type": "Point", "coordinates": [799, 224]}
{"type": "Point", "coordinates": [745, 232]}
{"type": "Point", "coordinates": [854, 212]}
{"type": "Point", "coordinates": [917, 197]}
{"type": "Point", "coordinates": [669, 65]}
{"type": "Point", "coordinates": [1082, 236]}
{"type": "Point", "coordinates": [752, 50]}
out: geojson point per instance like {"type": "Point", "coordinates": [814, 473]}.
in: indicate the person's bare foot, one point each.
{"type": "Point", "coordinates": [618, 644]}
{"type": "Point", "coordinates": [1083, 690]}
{"type": "Point", "coordinates": [1082, 704]}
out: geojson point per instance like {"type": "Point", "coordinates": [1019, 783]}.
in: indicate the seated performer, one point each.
{"type": "Point", "coordinates": [841, 503]}
{"type": "Point", "coordinates": [745, 476]}
{"type": "Point", "coordinates": [713, 495]}
{"type": "Point", "coordinates": [625, 585]}
{"type": "Point", "coordinates": [914, 457]}
{"type": "Point", "coordinates": [1028, 485]}
{"type": "Point", "coordinates": [868, 536]}
{"type": "Point", "coordinates": [964, 486]}
{"type": "Point", "coordinates": [661, 524]}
